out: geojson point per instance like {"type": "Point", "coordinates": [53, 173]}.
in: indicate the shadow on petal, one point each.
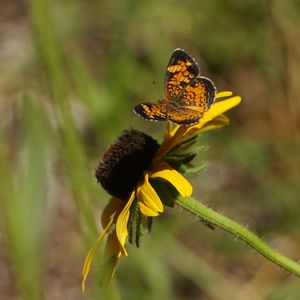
{"type": "Point", "coordinates": [149, 202]}
{"type": "Point", "coordinates": [182, 185]}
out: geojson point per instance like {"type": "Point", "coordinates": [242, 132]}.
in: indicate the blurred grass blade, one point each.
{"type": "Point", "coordinates": [71, 146]}
{"type": "Point", "coordinates": [23, 200]}
{"type": "Point", "coordinates": [49, 48]}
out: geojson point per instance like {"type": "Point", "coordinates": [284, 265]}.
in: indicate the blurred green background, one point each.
{"type": "Point", "coordinates": [70, 73]}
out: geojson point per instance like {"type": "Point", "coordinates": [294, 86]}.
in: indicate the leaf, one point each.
{"type": "Point", "coordinates": [191, 170]}
{"type": "Point", "coordinates": [134, 224]}
{"type": "Point", "coordinates": [149, 223]}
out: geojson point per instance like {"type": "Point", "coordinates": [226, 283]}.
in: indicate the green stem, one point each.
{"type": "Point", "coordinates": [208, 215]}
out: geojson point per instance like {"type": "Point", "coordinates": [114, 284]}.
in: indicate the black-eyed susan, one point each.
{"type": "Point", "coordinates": [128, 172]}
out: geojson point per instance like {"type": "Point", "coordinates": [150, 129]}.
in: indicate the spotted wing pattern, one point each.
{"type": "Point", "coordinates": [188, 95]}
{"type": "Point", "coordinates": [194, 101]}
{"type": "Point", "coordinates": [198, 95]}
{"type": "Point", "coordinates": [181, 70]}
{"type": "Point", "coordinates": [152, 111]}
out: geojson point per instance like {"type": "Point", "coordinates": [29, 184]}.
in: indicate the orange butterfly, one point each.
{"type": "Point", "coordinates": [187, 94]}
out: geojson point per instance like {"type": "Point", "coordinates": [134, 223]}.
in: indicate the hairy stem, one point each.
{"type": "Point", "coordinates": [211, 217]}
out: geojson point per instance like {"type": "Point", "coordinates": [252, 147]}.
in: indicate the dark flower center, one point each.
{"type": "Point", "coordinates": [125, 161]}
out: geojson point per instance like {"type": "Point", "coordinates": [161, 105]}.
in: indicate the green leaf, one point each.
{"type": "Point", "coordinates": [190, 145]}
{"type": "Point", "coordinates": [191, 170]}
{"type": "Point", "coordinates": [134, 224]}
{"type": "Point", "coordinates": [183, 153]}
{"type": "Point", "coordinates": [176, 164]}
{"type": "Point", "coordinates": [186, 143]}
{"type": "Point", "coordinates": [149, 223]}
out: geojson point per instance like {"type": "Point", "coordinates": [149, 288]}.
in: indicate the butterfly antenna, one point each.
{"type": "Point", "coordinates": [159, 95]}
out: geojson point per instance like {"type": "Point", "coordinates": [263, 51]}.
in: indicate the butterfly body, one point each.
{"type": "Point", "coordinates": [187, 94]}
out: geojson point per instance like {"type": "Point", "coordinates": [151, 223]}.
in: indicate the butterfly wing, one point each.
{"type": "Point", "coordinates": [198, 95]}
{"type": "Point", "coordinates": [182, 69]}
{"type": "Point", "coordinates": [152, 111]}
{"type": "Point", "coordinates": [195, 100]}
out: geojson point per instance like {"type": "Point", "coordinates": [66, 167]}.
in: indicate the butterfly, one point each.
{"type": "Point", "coordinates": [187, 94]}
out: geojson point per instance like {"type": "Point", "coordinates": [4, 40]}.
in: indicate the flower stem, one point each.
{"type": "Point", "coordinates": [211, 217]}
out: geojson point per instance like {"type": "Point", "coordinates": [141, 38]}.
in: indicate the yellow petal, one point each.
{"type": "Point", "coordinates": [163, 170]}
{"type": "Point", "coordinates": [112, 210]}
{"type": "Point", "coordinates": [112, 253]}
{"type": "Point", "coordinates": [220, 107]}
{"type": "Point", "coordinates": [223, 94]}
{"type": "Point", "coordinates": [89, 257]}
{"type": "Point", "coordinates": [148, 200]}
{"type": "Point", "coordinates": [217, 122]}
{"type": "Point", "coordinates": [215, 110]}
{"type": "Point", "coordinates": [171, 138]}
{"type": "Point", "coordinates": [122, 221]}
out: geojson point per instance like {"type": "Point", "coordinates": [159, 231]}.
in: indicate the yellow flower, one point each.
{"type": "Point", "coordinates": [116, 214]}
{"type": "Point", "coordinates": [126, 170]}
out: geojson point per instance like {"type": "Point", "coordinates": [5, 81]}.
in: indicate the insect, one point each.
{"type": "Point", "coordinates": [187, 94]}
